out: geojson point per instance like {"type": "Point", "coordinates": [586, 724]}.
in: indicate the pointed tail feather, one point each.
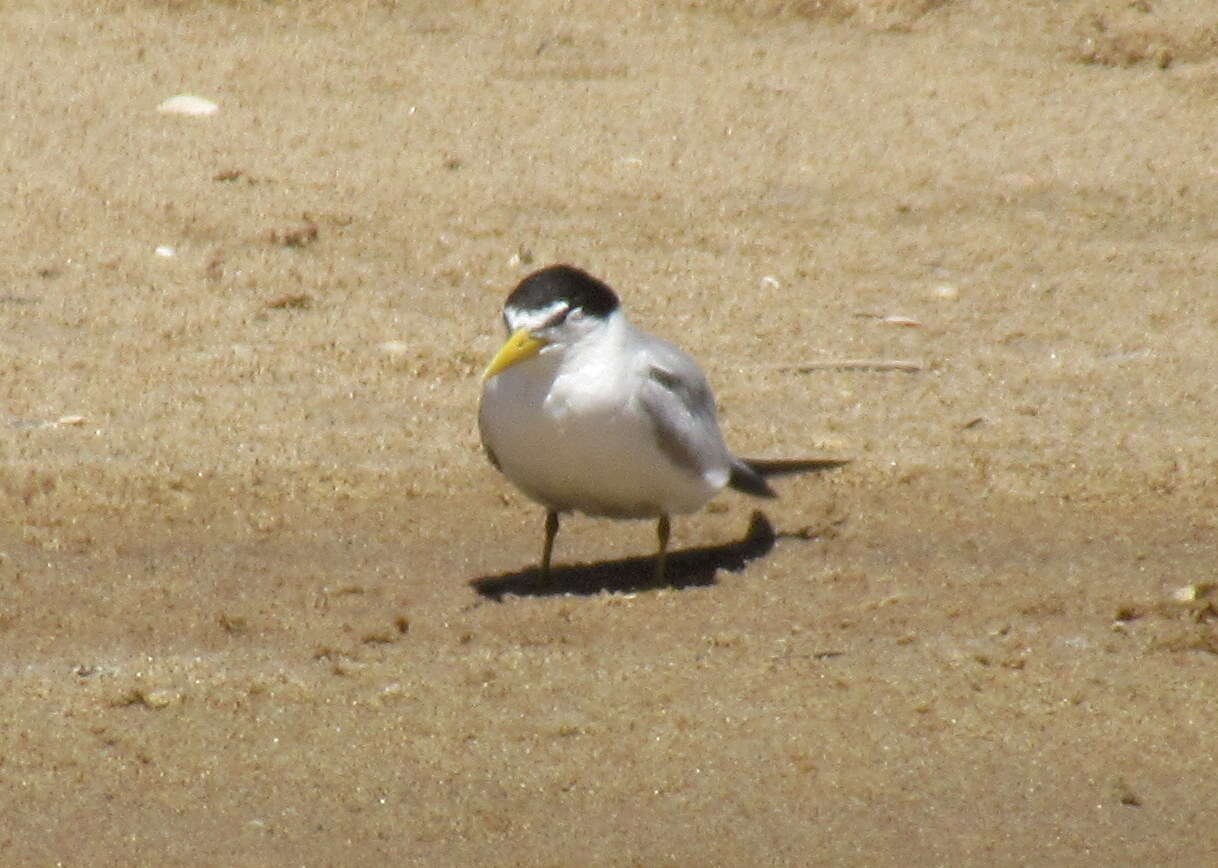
{"type": "Point", "coordinates": [748, 475]}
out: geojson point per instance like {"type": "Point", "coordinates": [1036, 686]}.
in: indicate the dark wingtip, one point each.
{"type": "Point", "coordinates": [745, 478]}
{"type": "Point", "coordinates": [749, 475]}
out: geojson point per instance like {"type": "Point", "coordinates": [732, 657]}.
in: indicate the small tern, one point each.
{"type": "Point", "coordinates": [582, 411]}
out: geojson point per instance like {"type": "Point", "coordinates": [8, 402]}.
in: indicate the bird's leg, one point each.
{"type": "Point", "coordinates": [662, 530]}
{"type": "Point", "coordinates": [548, 548]}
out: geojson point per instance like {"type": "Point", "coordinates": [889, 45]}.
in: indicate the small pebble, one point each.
{"type": "Point", "coordinates": [188, 104]}
{"type": "Point", "coordinates": [946, 291]}
{"type": "Point", "coordinates": [1123, 793]}
{"type": "Point", "coordinates": [291, 301]}
{"type": "Point", "coordinates": [523, 256]}
{"type": "Point", "coordinates": [166, 251]}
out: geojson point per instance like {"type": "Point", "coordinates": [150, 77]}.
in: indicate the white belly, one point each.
{"type": "Point", "coordinates": [572, 447]}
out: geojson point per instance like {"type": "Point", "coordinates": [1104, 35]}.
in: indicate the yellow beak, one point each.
{"type": "Point", "coordinates": [520, 346]}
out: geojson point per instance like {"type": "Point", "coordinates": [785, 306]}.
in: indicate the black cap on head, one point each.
{"type": "Point", "coordinates": [563, 283]}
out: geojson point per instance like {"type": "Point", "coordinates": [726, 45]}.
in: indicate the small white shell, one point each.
{"type": "Point", "coordinates": [165, 250]}
{"type": "Point", "coordinates": [188, 104]}
{"type": "Point", "coordinates": [160, 697]}
{"type": "Point", "coordinates": [1195, 591]}
{"type": "Point", "coordinates": [394, 348]}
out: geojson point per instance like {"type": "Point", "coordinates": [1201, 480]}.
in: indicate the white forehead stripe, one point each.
{"type": "Point", "coordinates": [533, 318]}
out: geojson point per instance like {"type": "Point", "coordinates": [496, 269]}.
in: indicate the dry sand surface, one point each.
{"type": "Point", "coordinates": [264, 602]}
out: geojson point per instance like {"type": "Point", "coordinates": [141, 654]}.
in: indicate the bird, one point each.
{"type": "Point", "coordinates": [584, 412]}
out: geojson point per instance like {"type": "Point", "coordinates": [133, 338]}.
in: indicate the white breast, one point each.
{"type": "Point", "coordinates": [567, 431]}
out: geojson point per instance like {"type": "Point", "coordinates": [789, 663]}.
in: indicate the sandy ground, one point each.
{"type": "Point", "coordinates": [263, 602]}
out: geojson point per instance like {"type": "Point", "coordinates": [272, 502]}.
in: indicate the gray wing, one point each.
{"type": "Point", "coordinates": [486, 446]}
{"type": "Point", "coordinates": [677, 400]}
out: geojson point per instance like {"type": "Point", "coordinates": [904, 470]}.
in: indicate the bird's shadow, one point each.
{"type": "Point", "coordinates": [686, 568]}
